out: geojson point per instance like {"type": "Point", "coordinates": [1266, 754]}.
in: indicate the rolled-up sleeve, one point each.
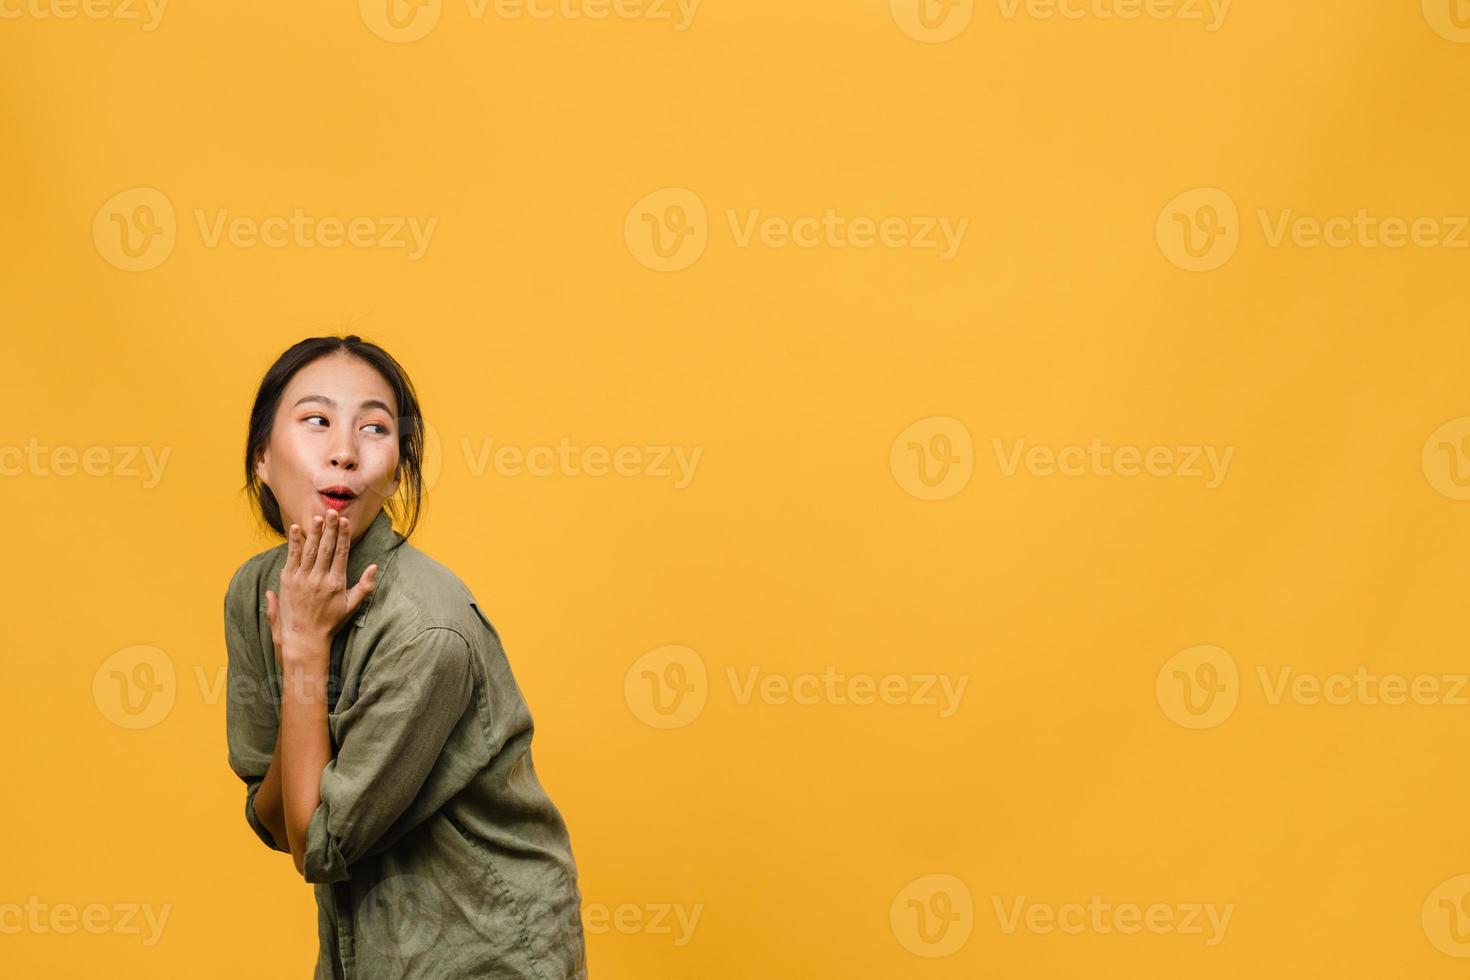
{"type": "Point", "coordinates": [413, 694]}
{"type": "Point", "coordinates": [252, 718]}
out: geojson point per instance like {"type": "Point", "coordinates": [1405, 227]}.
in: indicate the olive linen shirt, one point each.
{"type": "Point", "coordinates": [435, 852]}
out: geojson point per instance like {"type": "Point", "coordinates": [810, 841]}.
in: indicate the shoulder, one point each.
{"type": "Point", "coordinates": [422, 593]}
{"type": "Point", "coordinates": [244, 592]}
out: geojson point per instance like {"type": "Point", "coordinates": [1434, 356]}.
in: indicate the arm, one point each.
{"type": "Point", "coordinates": [251, 713]}
{"type": "Point", "coordinates": [268, 808]}
{"type": "Point", "coordinates": [391, 771]}
{"type": "Point", "coordinates": [305, 746]}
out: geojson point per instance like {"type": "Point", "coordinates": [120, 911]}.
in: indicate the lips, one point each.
{"type": "Point", "coordinates": [336, 498]}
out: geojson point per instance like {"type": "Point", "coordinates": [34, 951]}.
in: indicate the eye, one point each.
{"type": "Point", "coordinates": [381, 426]}
{"type": "Point", "coordinates": [315, 416]}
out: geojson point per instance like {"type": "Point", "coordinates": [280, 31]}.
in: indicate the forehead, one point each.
{"type": "Point", "coordinates": [349, 381]}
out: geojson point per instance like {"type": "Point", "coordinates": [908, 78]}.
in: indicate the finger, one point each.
{"type": "Point", "coordinates": [293, 547]}
{"type": "Point", "coordinates": [365, 587]}
{"type": "Point", "coordinates": [339, 557]}
{"type": "Point", "coordinates": [328, 549]}
{"type": "Point", "coordinates": [313, 539]}
{"type": "Point", "coordinates": [270, 606]}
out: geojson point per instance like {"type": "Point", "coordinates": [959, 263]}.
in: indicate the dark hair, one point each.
{"type": "Point", "coordinates": [405, 505]}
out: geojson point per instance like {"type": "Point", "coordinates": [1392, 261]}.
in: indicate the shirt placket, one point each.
{"type": "Point", "coordinates": [341, 891]}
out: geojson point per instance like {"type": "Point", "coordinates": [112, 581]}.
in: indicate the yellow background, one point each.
{"type": "Point", "coordinates": [1333, 542]}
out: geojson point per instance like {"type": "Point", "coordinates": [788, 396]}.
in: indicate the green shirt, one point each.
{"type": "Point", "coordinates": [435, 852]}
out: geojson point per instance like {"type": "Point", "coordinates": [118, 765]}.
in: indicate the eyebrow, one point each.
{"type": "Point", "coordinates": [370, 403]}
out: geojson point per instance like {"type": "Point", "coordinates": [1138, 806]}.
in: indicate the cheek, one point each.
{"type": "Point", "coordinates": [380, 461]}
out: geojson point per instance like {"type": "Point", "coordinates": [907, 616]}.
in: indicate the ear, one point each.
{"type": "Point", "coordinates": [262, 468]}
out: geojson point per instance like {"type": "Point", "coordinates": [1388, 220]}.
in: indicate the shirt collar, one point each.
{"type": "Point", "coordinates": [377, 547]}
{"type": "Point", "coordinates": [372, 548]}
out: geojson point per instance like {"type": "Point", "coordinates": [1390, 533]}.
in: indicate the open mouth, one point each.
{"type": "Point", "coordinates": [336, 497]}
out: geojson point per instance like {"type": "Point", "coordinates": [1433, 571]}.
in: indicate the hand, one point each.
{"type": "Point", "coordinates": [315, 600]}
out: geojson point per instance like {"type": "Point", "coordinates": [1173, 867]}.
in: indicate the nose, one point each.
{"type": "Point", "coordinates": [344, 453]}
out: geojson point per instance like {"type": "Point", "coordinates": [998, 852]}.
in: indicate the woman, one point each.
{"type": "Point", "coordinates": [371, 710]}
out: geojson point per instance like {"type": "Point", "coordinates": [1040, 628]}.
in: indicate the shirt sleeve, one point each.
{"type": "Point", "coordinates": [252, 710]}
{"type": "Point", "coordinates": [413, 694]}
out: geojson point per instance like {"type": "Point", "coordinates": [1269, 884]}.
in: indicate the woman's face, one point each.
{"type": "Point", "coordinates": [336, 428]}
